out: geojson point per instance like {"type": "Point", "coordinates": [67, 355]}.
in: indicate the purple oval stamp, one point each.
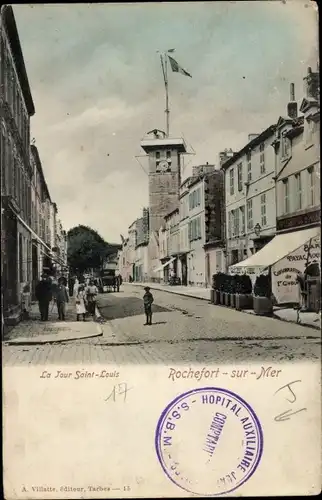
{"type": "Point", "coordinates": [209, 441]}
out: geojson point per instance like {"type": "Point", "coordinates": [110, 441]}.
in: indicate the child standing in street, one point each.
{"type": "Point", "coordinates": [80, 303]}
{"type": "Point", "coordinates": [148, 301]}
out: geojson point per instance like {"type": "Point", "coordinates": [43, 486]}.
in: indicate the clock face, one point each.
{"type": "Point", "coordinates": [163, 166]}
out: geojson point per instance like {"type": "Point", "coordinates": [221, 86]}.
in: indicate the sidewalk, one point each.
{"type": "Point", "coordinates": [34, 331]}
{"type": "Point", "coordinates": [188, 291]}
{"type": "Point", "coordinates": [312, 320]}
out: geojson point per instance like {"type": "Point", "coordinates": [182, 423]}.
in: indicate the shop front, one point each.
{"type": "Point", "coordinates": [285, 272]}
{"type": "Point", "coordinates": [164, 270]}
{"type": "Point", "coordinates": [285, 257]}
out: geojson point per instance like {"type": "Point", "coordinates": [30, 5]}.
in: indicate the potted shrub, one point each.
{"type": "Point", "coordinates": [227, 289]}
{"type": "Point", "coordinates": [244, 288]}
{"type": "Point", "coordinates": [232, 291]}
{"type": "Point", "coordinates": [212, 291]}
{"type": "Point", "coordinates": [263, 303]}
{"type": "Point", "coordinates": [221, 287]}
{"type": "Point", "coordinates": [215, 294]}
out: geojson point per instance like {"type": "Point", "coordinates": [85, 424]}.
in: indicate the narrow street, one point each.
{"type": "Point", "coordinates": [184, 330]}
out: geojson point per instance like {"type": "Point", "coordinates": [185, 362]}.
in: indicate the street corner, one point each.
{"type": "Point", "coordinates": [106, 331]}
{"type": "Point", "coordinates": [53, 333]}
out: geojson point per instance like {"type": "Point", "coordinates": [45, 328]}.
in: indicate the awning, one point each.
{"type": "Point", "coordinates": [164, 265]}
{"type": "Point", "coordinates": [280, 246]}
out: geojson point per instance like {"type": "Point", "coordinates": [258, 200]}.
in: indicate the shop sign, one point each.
{"type": "Point", "coordinates": [298, 220]}
{"type": "Point", "coordinates": [252, 272]}
{"type": "Point", "coordinates": [284, 273]}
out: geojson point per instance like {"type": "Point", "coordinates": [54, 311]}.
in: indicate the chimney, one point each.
{"type": "Point", "coordinates": [292, 105]}
{"type": "Point", "coordinates": [252, 136]}
{"type": "Point", "coordinates": [225, 155]}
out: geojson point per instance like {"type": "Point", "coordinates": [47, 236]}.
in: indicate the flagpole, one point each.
{"type": "Point", "coordinates": [167, 110]}
{"type": "Point", "coordinates": [164, 67]}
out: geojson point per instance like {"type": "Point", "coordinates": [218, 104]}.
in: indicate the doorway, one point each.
{"type": "Point", "coordinates": [10, 278]}
{"type": "Point", "coordinates": [234, 257]}
{"type": "Point", "coordinates": [184, 270]}
{"type": "Point", "coordinates": [34, 268]}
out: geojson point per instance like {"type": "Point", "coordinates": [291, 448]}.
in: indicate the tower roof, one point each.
{"type": "Point", "coordinates": [167, 142]}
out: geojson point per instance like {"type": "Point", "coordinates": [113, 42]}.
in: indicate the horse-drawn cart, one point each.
{"type": "Point", "coordinates": [108, 282]}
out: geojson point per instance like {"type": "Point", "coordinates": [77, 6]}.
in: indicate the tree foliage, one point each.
{"type": "Point", "coordinates": [86, 248]}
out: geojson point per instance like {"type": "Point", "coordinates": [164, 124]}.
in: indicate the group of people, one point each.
{"type": "Point", "coordinates": [85, 298]}
{"type": "Point", "coordinates": [50, 291]}
{"type": "Point", "coordinates": [84, 293]}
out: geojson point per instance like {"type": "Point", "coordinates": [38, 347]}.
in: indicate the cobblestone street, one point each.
{"type": "Point", "coordinates": [185, 330]}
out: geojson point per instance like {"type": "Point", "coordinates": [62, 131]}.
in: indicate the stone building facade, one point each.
{"type": "Point", "coordinates": [16, 108]}
{"type": "Point", "coordinates": [164, 158]}
{"type": "Point", "coordinates": [214, 215]}
{"type": "Point", "coordinates": [250, 196]}
{"type": "Point", "coordinates": [40, 219]}
{"type": "Point", "coordinates": [297, 149]}
{"type": "Point", "coordinates": [202, 226]}
{"type": "Point", "coordinates": [141, 248]}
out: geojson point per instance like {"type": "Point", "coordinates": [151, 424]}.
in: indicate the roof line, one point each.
{"type": "Point", "coordinates": [35, 153]}
{"type": "Point", "coordinates": [254, 142]}
{"type": "Point", "coordinates": [14, 41]}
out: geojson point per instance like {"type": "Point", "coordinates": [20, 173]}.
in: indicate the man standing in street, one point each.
{"type": "Point", "coordinates": [61, 299]}
{"type": "Point", "coordinates": [44, 295]}
{"type": "Point", "coordinates": [91, 297]}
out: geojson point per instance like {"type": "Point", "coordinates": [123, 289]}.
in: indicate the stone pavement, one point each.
{"type": "Point", "coordinates": [188, 291]}
{"type": "Point", "coordinates": [34, 331]}
{"type": "Point", "coordinates": [185, 331]}
{"type": "Point", "coordinates": [312, 320]}
{"type": "Point", "coordinates": [177, 319]}
{"type": "Point", "coordinates": [88, 352]}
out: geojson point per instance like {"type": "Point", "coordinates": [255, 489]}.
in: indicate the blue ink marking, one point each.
{"type": "Point", "coordinates": [234, 417]}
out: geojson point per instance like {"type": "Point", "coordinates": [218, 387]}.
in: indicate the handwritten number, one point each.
{"type": "Point", "coordinates": [119, 390]}
{"type": "Point", "coordinates": [289, 387]}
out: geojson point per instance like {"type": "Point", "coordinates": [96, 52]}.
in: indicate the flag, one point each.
{"type": "Point", "coordinates": [176, 68]}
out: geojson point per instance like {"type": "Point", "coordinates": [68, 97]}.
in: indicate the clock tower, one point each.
{"type": "Point", "coordinates": [164, 155]}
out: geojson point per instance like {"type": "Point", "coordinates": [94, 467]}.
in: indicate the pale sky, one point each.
{"type": "Point", "coordinates": [97, 86]}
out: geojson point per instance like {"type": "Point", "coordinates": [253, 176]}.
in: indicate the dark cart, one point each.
{"type": "Point", "coordinates": [109, 282]}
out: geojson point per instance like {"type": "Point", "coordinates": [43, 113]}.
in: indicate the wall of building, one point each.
{"type": "Point", "coordinates": [142, 227]}
{"type": "Point", "coordinates": [250, 198]}
{"type": "Point", "coordinates": [302, 174]}
{"type": "Point", "coordinates": [197, 237]}
{"type": "Point", "coordinates": [16, 108]}
{"type": "Point", "coordinates": [163, 244]}
{"type": "Point", "coordinates": [154, 258]}
{"type": "Point", "coordinates": [125, 262]}
{"type": "Point", "coordinates": [163, 185]}
{"type": "Point", "coordinates": [214, 207]}
{"type": "Point", "coordinates": [184, 221]}
{"type": "Point", "coordinates": [217, 262]}
{"type": "Point", "coordinates": [141, 263]}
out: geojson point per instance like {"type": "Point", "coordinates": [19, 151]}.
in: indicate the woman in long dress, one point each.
{"type": "Point", "coordinates": [80, 303]}
{"type": "Point", "coordinates": [75, 288]}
